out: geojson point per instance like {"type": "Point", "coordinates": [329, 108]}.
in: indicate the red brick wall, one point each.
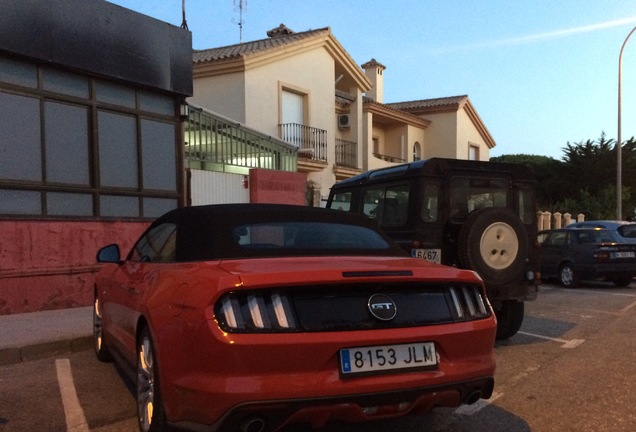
{"type": "Point", "coordinates": [277, 187]}
{"type": "Point", "coordinates": [51, 264]}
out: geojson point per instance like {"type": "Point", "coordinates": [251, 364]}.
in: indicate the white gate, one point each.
{"type": "Point", "coordinates": [211, 187]}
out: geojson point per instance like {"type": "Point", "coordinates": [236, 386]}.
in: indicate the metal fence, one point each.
{"type": "Point", "coordinates": [215, 143]}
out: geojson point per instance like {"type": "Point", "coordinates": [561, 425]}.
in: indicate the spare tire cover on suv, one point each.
{"type": "Point", "coordinates": [493, 242]}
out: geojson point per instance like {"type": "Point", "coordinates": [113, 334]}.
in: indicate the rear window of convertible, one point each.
{"type": "Point", "coordinates": [307, 235]}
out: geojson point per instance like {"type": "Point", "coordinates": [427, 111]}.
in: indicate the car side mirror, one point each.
{"type": "Point", "coordinates": [109, 254]}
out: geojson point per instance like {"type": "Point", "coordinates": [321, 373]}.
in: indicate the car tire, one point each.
{"type": "Point", "coordinates": [101, 351]}
{"type": "Point", "coordinates": [493, 242]}
{"type": "Point", "coordinates": [623, 281]}
{"type": "Point", "coordinates": [150, 413]}
{"type": "Point", "coordinates": [567, 276]}
{"type": "Point", "coordinates": [509, 318]}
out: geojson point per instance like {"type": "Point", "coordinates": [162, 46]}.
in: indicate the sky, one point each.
{"type": "Point", "coordinates": [540, 73]}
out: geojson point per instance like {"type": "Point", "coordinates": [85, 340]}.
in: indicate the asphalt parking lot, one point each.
{"type": "Point", "coordinates": [570, 368]}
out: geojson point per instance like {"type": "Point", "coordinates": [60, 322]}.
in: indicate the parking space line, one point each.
{"type": "Point", "coordinates": [573, 343]}
{"type": "Point", "coordinates": [628, 307]}
{"type": "Point", "coordinates": [75, 420]}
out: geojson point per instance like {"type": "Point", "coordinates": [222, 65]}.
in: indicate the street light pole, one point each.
{"type": "Point", "coordinates": [619, 142]}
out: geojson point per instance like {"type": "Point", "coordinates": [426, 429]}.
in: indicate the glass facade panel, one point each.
{"type": "Point", "coordinates": [120, 206]}
{"type": "Point", "coordinates": [18, 73]}
{"type": "Point", "coordinates": [115, 94]}
{"type": "Point", "coordinates": [20, 143]}
{"type": "Point", "coordinates": [20, 202]}
{"type": "Point", "coordinates": [66, 131]}
{"type": "Point", "coordinates": [158, 155]}
{"type": "Point", "coordinates": [75, 145]}
{"type": "Point", "coordinates": [155, 207]}
{"type": "Point", "coordinates": [117, 150]}
{"type": "Point", "coordinates": [69, 204]}
{"type": "Point", "coordinates": [156, 103]}
{"type": "Point", "coordinates": [65, 83]}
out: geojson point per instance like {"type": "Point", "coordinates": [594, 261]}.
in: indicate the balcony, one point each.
{"type": "Point", "coordinates": [311, 142]}
{"type": "Point", "coordinates": [346, 154]}
{"type": "Point", "coordinates": [346, 165]}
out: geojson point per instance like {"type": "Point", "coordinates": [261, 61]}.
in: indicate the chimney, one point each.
{"type": "Point", "coordinates": [374, 71]}
{"type": "Point", "coordinates": [281, 30]}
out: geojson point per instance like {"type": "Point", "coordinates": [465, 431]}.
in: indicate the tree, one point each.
{"type": "Point", "coordinates": [549, 191]}
{"type": "Point", "coordinates": [584, 181]}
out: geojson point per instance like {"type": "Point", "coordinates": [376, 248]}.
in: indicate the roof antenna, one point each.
{"type": "Point", "coordinates": [239, 4]}
{"type": "Point", "coordinates": [184, 23]}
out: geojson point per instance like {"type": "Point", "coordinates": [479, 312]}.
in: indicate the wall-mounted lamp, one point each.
{"type": "Point", "coordinates": [184, 111]}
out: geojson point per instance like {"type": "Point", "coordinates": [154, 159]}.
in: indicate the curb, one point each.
{"type": "Point", "coordinates": [13, 355]}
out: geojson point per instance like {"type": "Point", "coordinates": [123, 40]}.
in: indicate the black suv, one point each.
{"type": "Point", "coordinates": [469, 214]}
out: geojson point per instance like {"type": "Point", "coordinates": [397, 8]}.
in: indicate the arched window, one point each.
{"type": "Point", "coordinates": [417, 151]}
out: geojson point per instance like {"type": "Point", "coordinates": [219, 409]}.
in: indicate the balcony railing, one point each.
{"type": "Point", "coordinates": [311, 142]}
{"type": "Point", "coordinates": [388, 158]}
{"type": "Point", "coordinates": [346, 153]}
{"type": "Point", "coordinates": [215, 143]}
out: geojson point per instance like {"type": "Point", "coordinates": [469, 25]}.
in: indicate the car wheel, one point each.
{"type": "Point", "coordinates": [493, 242]}
{"type": "Point", "coordinates": [101, 351]}
{"type": "Point", "coordinates": [150, 414]}
{"type": "Point", "coordinates": [623, 281]}
{"type": "Point", "coordinates": [509, 318]}
{"type": "Point", "coordinates": [567, 276]}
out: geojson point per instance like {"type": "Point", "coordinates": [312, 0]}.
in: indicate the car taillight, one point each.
{"type": "Point", "coordinates": [468, 301]}
{"type": "Point", "coordinates": [602, 255]}
{"type": "Point", "coordinates": [238, 312]}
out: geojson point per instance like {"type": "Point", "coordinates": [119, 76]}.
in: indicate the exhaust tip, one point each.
{"type": "Point", "coordinates": [252, 424]}
{"type": "Point", "coordinates": [473, 397]}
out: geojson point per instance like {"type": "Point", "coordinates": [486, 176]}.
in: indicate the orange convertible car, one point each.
{"type": "Point", "coordinates": [252, 317]}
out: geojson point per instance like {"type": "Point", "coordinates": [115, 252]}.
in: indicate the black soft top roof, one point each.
{"type": "Point", "coordinates": [206, 232]}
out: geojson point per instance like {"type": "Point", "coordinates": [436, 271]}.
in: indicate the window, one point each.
{"type": "Point", "coordinates": [20, 140]}
{"type": "Point", "coordinates": [428, 210]}
{"type": "Point", "coordinates": [290, 236]}
{"type": "Point", "coordinates": [469, 194]}
{"type": "Point", "coordinates": [18, 73]}
{"type": "Point", "coordinates": [417, 151]}
{"type": "Point", "coordinates": [526, 205]}
{"type": "Point", "coordinates": [117, 141]}
{"type": "Point", "coordinates": [158, 155]}
{"type": "Point", "coordinates": [556, 239]}
{"type": "Point", "coordinates": [387, 205]}
{"type": "Point", "coordinates": [473, 152]}
{"type": "Point", "coordinates": [67, 143]}
{"type": "Point", "coordinates": [157, 245]}
{"type": "Point", "coordinates": [341, 201]}
{"type": "Point", "coordinates": [293, 117]}
{"type": "Point", "coordinates": [74, 145]}
{"type": "Point", "coordinates": [292, 108]}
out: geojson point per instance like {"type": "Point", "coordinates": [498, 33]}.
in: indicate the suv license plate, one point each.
{"type": "Point", "coordinates": [432, 255]}
{"type": "Point", "coordinates": [381, 358]}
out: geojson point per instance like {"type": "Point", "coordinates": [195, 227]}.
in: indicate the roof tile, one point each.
{"type": "Point", "coordinates": [247, 48]}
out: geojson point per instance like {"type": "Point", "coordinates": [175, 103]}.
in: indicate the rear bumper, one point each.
{"type": "Point", "coordinates": [608, 270]}
{"type": "Point", "coordinates": [295, 377]}
{"type": "Point", "coordinates": [275, 414]}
